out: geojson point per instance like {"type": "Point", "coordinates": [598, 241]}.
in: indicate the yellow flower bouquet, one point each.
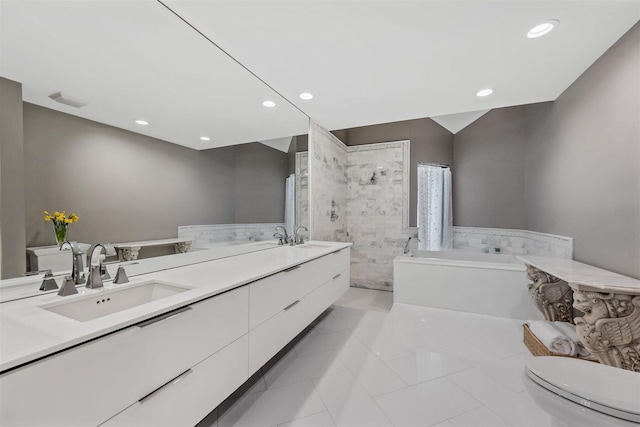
{"type": "Point", "coordinates": [60, 224]}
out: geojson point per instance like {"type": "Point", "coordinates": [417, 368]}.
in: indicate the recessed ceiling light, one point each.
{"type": "Point", "coordinates": [484, 92]}
{"type": "Point", "coordinates": [542, 28]}
{"type": "Point", "coordinates": [269, 104]}
{"type": "Point", "coordinates": [142, 122]}
{"type": "Point", "coordinates": [306, 96]}
{"type": "Point", "coordinates": [205, 138]}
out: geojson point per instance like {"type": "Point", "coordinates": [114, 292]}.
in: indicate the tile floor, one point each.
{"type": "Point", "coordinates": [360, 364]}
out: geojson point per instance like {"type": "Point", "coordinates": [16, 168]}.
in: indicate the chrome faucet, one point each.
{"type": "Point", "coordinates": [406, 246]}
{"type": "Point", "coordinates": [297, 237]}
{"type": "Point", "coordinates": [77, 270]}
{"type": "Point", "coordinates": [284, 236]}
{"type": "Point", "coordinates": [96, 269]}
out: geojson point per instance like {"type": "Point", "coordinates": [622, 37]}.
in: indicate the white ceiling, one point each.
{"type": "Point", "coordinates": [371, 62]}
{"type": "Point", "coordinates": [366, 62]}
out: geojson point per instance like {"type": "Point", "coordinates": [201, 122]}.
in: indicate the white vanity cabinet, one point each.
{"type": "Point", "coordinates": [296, 300]}
{"type": "Point", "coordinates": [88, 384]}
{"type": "Point", "coordinates": [188, 398]}
{"type": "Point", "coordinates": [173, 369]}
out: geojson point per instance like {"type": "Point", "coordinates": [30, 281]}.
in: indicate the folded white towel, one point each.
{"type": "Point", "coordinates": [569, 330]}
{"type": "Point", "coordinates": [552, 337]}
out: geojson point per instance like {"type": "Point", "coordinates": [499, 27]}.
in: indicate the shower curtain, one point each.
{"type": "Point", "coordinates": [435, 217]}
{"type": "Point", "coordinates": [290, 204]}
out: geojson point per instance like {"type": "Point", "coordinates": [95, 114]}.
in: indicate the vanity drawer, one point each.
{"type": "Point", "coordinates": [188, 398]}
{"type": "Point", "coordinates": [90, 383]}
{"type": "Point", "coordinates": [269, 296]}
{"type": "Point", "coordinates": [271, 336]}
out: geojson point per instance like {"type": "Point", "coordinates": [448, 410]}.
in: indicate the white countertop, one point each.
{"type": "Point", "coordinates": [584, 277]}
{"type": "Point", "coordinates": [28, 332]}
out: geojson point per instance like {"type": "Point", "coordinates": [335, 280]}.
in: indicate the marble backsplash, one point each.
{"type": "Point", "coordinates": [518, 242]}
{"type": "Point", "coordinates": [227, 233]}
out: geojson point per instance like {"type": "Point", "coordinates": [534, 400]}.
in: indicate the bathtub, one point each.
{"type": "Point", "coordinates": [492, 284]}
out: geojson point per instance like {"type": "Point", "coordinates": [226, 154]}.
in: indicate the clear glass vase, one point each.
{"type": "Point", "coordinates": [61, 230]}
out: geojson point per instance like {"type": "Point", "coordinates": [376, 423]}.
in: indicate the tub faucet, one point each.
{"type": "Point", "coordinates": [406, 246]}
{"type": "Point", "coordinates": [77, 269]}
{"type": "Point", "coordinates": [95, 264]}
{"type": "Point", "coordinates": [298, 239]}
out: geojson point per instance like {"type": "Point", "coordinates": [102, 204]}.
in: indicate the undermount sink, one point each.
{"type": "Point", "coordinates": [103, 303]}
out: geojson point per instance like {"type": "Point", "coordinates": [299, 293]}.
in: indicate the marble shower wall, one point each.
{"type": "Point", "coordinates": [377, 211]}
{"type": "Point", "coordinates": [327, 185]}
{"type": "Point", "coordinates": [302, 189]}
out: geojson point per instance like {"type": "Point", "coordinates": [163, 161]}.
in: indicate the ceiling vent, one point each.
{"type": "Point", "coordinates": [65, 98]}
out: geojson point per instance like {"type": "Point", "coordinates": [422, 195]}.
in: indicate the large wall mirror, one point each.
{"type": "Point", "coordinates": [206, 155]}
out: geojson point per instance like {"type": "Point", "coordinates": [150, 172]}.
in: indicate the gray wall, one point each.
{"type": "Point", "coordinates": [488, 178]}
{"type": "Point", "coordinates": [260, 174]}
{"type": "Point", "coordinates": [12, 196]}
{"type": "Point", "coordinates": [126, 186]}
{"type": "Point", "coordinates": [583, 162]}
{"type": "Point", "coordinates": [430, 142]}
{"type": "Point", "coordinates": [570, 167]}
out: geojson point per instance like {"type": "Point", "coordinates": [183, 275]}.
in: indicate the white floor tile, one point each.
{"type": "Point", "coordinates": [426, 366]}
{"type": "Point", "coordinates": [376, 377]}
{"type": "Point", "coordinates": [322, 419]}
{"type": "Point", "coordinates": [366, 299]}
{"type": "Point", "coordinates": [499, 370]}
{"type": "Point", "coordinates": [480, 417]}
{"type": "Point", "coordinates": [348, 403]}
{"type": "Point", "coordinates": [385, 347]}
{"type": "Point", "coordinates": [429, 340]}
{"type": "Point", "coordinates": [271, 407]}
{"type": "Point", "coordinates": [427, 403]}
{"type": "Point", "coordinates": [302, 368]}
{"type": "Point", "coordinates": [317, 343]}
{"type": "Point", "coordinates": [505, 403]}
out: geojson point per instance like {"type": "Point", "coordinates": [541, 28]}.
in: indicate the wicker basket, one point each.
{"type": "Point", "coordinates": [535, 346]}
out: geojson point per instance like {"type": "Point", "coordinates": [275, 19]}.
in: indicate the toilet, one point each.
{"type": "Point", "coordinates": [612, 391]}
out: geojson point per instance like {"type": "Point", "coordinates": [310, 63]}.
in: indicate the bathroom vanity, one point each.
{"type": "Point", "coordinates": [186, 338]}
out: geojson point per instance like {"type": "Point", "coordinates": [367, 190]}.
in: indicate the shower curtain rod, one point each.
{"type": "Point", "coordinates": [434, 164]}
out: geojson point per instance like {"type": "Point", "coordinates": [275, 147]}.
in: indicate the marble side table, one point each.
{"type": "Point", "coordinates": [610, 324]}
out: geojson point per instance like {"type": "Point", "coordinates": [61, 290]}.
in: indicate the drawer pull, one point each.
{"type": "Point", "coordinates": [171, 382]}
{"type": "Point", "coordinates": [291, 305]}
{"type": "Point", "coordinates": [166, 316]}
{"type": "Point", "coordinates": [336, 252]}
{"type": "Point", "coordinates": [295, 267]}
{"type": "Point", "coordinates": [336, 276]}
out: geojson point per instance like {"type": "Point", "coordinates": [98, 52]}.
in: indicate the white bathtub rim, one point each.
{"type": "Point", "coordinates": [407, 258]}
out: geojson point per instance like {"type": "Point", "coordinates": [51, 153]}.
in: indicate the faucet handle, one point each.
{"type": "Point", "coordinates": [121, 276]}
{"type": "Point", "coordinates": [68, 287]}
{"type": "Point", "coordinates": [48, 282]}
